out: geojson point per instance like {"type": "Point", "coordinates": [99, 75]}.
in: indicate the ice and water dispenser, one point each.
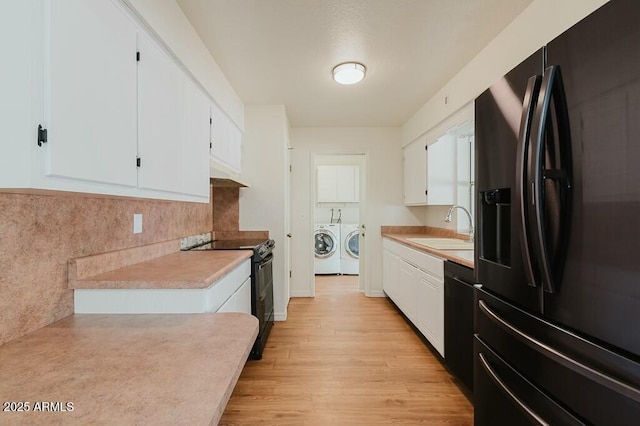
{"type": "Point", "coordinates": [495, 225]}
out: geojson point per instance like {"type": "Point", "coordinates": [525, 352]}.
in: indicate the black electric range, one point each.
{"type": "Point", "coordinates": [261, 282]}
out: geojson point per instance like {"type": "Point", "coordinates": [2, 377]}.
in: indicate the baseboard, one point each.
{"type": "Point", "coordinates": [280, 316]}
{"type": "Point", "coordinates": [378, 293]}
{"type": "Point", "coordinates": [301, 293]}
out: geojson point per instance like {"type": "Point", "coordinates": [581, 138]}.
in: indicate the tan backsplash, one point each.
{"type": "Point", "coordinates": [226, 209]}
{"type": "Point", "coordinates": [40, 233]}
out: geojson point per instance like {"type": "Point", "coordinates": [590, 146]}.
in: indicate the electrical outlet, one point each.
{"type": "Point", "coordinates": [137, 223]}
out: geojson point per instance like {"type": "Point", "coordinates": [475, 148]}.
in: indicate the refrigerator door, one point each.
{"type": "Point", "coordinates": [538, 361]}
{"type": "Point", "coordinates": [598, 295]}
{"type": "Point", "coordinates": [500, 113]}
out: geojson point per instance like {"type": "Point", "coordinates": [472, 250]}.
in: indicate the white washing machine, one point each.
{"type": "Point", "coordinates": [350, 250]}
{"type": "Point", "coordinates": [326, 245]}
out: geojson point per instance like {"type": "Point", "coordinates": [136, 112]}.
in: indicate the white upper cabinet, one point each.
{"type": "Point", "coordinates": [441, 174]}
{"type": "Point", "coordinates": [226, 141]}
{"type": "Point", "coordinates": [195, 149]}
{"type": "Point", "coordinates": [20, 86]}
{"type": "Point", "coordinates": [415, 173]}
{"type": "Point", "coordinates": [348, 188]}
{"type": "Point", "coordinates": [173, 131]}
{"type": "Point", "coordinates": [430, 173]}
{"type": "Point", "coordinates": [338, 184]}
{"type": "Point", "coordinates": [160, 117]}
{"type": "Point", "coordinates": [441, 171]}
{"type": "Point", "coordinates": [92, 92]}
{"type": "Point", "coordinates": [72, 66]}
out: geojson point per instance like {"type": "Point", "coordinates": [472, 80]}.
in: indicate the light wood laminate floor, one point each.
{"type": "Point", "coordinates": [342, 358]}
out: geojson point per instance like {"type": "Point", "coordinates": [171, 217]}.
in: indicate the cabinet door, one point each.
{"type": "Point", "coordinates": [195, 150]}
{"type": "Point", "coordinates": [390, 272]}
{"type": "Point", "coordinates": [430, 309]}
{"type": "Point", "coordinates": [338, 184]}
{"type": "Point", "coordinates": [219, 135]}
{"type": "Point", "coordinates": [326, 183]}
{"type": "Point", "coordinates": [92, 92]}
{"type": "Point", "coordinates": [347, 184]}
{"type": "Point", "coordinates": [161, 118]}
{"type": "Point", "coordinates": [19, 100]}
{"type": "Point", "coordinates": [407, 290]}
{"type": "Point", "coordinates": [240, 301]}
{"type": "Point", "coordinates": [441, 171]}
{"type": "Point", "coordinates": [415, 173]}
{"type": "Point", "coordinates": [235, 148]}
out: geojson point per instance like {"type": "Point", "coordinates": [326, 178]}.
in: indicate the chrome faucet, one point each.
{"type": "Point", "coordinates": [448, 219]}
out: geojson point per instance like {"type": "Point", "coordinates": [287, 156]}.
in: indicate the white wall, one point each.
{"type": "Point", "coordinates": [538, 24]}
{"type": "Point", "coordinates": [264, 206]}
{"type": "Point", "coordinates": [168, 21]}
{"type": "Point", "coordinates": [383, 204]}
{"type": "Point", "coordinates": [348, 212]}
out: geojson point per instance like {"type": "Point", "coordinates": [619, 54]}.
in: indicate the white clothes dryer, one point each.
{"type": "Point", "coordinates": [326, 246]}
{"type": "Point", "coordinates": [350, 250]}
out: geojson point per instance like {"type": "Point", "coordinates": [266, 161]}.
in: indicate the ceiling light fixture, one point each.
{"type": "Point", "coordinates": [349, 72]}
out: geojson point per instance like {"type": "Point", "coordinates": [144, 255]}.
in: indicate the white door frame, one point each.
{"type": "Point", "coordinates": [363, 282]}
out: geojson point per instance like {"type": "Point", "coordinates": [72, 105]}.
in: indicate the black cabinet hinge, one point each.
{"type": "Point", "coordinates": [210, 120]}
{"type": "Point", "coordinates": [42, 135]}
{"type": "Point", "coordinates": [138, 56]}
{"type": "Point", "coordinates": [426, 192]}
{"type": "Point", "coordinates": [210, 145]}
{"type": "Point", "coordinates": [137, 161]}
{"type": "Point", "coordinates": [426, 147]}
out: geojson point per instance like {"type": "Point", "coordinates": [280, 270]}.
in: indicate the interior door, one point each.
{"type": "Point", "coordinates": [287, 220]}
{"type": "Point", "coordinates": [599, 292]}
{"type": "Point", "coordinates": [362, 243]}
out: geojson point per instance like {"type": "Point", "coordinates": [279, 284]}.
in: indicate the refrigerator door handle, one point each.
{"type": "Point", "coordinates": [528, 104]}
{"type": "Point", "coordinates": [562, 359]}
{"type": "Point", "coordinates": [552, 88]}
{"type": "Point", "coordinates": [494, 376]}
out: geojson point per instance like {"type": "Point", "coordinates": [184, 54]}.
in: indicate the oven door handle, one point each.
{"type": "Point", "coordinates": [266, 261]}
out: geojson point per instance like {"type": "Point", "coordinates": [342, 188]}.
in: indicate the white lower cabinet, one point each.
{"type": "Point", "coordinates": [240, 301]}
{"type": "Point", "coordinates": [232, 293]}
{"type": "Point", "coordinates": [414, 280]}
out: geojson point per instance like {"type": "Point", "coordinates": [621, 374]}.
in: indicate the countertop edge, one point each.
{"type": "Point", "coordinates": [96, 283]}
{"type": "Point", "coordinates": [452, 255]}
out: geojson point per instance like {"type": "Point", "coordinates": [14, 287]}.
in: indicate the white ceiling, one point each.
{"type": "Point", "coordinates": [282, 51]}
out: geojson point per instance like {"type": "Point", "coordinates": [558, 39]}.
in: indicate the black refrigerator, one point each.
{"type": "Point", "coordinates": [557, 316]}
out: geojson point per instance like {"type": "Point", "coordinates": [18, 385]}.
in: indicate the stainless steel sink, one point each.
{"type": "Point", "coordinates": [443, 243]}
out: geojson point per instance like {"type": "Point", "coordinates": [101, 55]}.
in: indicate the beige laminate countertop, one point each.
{"type": "Point", "coordinates": [127, 369]}
{"type": "Point", "coordinates": [183, 270]}
{"type": "Point", "coordinates": [463, 257]}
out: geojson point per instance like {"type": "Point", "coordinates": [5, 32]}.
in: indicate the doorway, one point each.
{"type": "Point", "coordinates": [338, 216]}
